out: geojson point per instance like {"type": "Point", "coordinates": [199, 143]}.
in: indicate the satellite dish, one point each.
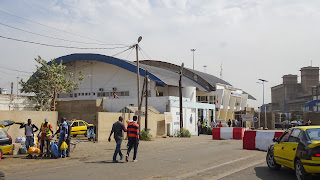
{"type": "Point", "coordinates": [139, 39]}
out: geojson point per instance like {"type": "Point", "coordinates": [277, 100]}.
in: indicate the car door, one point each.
{"type": "Point", "coordinates": [290, 148]}
{"type": "Point", "coordinates": [82, 127]}
{"type": "Point", "coordinates": [75, 127]}
{"type": "Point", "coordinates": [278, 149]}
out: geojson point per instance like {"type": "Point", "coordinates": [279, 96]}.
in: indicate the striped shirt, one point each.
{"type": "Point", "coordinates": [133, 131]}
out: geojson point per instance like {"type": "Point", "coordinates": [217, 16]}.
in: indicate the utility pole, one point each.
{"type": "Point", "coordinates": [138, 81]}
{"type": "Point", "coordinates": [146, 113]}
{"type": "Point", "coordinates": [263, 106]}
{"type": "Point", "coordinates": [193, 50]}
{"type": "Point", "coordinates": [11, 95]}
{"type": "Point", "coordinates": [17, 87]}
{"type": "Point", "coordinates": [180, 96]}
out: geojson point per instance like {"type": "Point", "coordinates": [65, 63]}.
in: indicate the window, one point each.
{"type": "Point", "coordinates": [86, 94]}
{"type": "Point", "coordinates": [94, 94]}
{"type": "Point", "coordinates": [295, 135]}
{"type": "Point", "coordinates": [79, 94]}
{"type": "Point", "coordinates": [71, 95]}
{"type": "Point", "coordinates": [285, 136]}
{"type": "Point", "coordinates": [160, 93]}
{"type": "Point", "coordinates": [313, 134]}
{"type": "Point", "coordinates": [75, 124]}
{"type": "Point", "coordinates": [75, 95]}
{"type": "Point", "coordinates": [81, 123]}
{"type": "Point", "coordinates": [82, 94]}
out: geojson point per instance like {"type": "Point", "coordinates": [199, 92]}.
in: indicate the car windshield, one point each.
{"type": "Point", "coordinates": [3, 134]}
{"type": "Point", "coordinates": [314, 134]}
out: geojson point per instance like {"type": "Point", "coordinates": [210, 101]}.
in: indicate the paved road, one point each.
{"type": "Point", "coordinates": [162, 159]}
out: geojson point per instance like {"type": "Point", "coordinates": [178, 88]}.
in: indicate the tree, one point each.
{"type": "Point", "coordinates": [49, 80]}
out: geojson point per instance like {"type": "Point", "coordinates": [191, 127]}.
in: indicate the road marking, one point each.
{"type": "Point", "coordinates": [209, 168]}
{"type": "Point", "coordinates": [239, 169]}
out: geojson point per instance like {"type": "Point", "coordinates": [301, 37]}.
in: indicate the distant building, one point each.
{"type": "Point", "coordinates": [291, 95]}
{"type": "Point", "coordinates": [115, 81]}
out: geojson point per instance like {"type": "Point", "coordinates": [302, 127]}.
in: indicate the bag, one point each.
{"type": "Point", "coordinates": [54, 150]}
{"type": "Point", "coordinates": [33, 150]}
{"type": "Point", "coordinates": [64, 146]}
{"type": "Point", "coordinates": [22, 150]}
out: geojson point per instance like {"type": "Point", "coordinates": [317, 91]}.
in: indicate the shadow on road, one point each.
{"type": "Point", "coordinates": [265, 173]}
{"type": "Point", "coordinates": [103, 162]}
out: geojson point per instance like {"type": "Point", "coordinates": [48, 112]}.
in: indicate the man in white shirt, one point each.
{"type": "Point", "coordinates": [29, 131]}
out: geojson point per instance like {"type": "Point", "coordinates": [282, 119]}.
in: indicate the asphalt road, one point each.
{"type": "Point", "coordinates": [162, 159]}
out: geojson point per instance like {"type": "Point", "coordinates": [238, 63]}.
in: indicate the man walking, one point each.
{"type": "Point", "coordinates": [46, 132]}
{"type": "Point", "coordinates": [29, 132]}
{"type": "Point", "coordinates": [133, 138]}
{"type": "Point", "coordinates": [117, 129]}
{"type": "Point", "coordinates": [229, 123]}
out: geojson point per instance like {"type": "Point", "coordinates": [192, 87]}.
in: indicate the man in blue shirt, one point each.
{"type": "Point", "coordinates": [63, 130]}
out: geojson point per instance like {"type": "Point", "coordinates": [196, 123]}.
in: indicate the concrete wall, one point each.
{"type": "Point", "coordinates": [105, 120]}
{"type": "Point", "coordinates": [80, 109]}
{"type": "Point", "coordinates": [37, 118]}
{"type": "Point", "coordinates": [14, 102]}
{"type": "Point", "coordinates": [271, 119]}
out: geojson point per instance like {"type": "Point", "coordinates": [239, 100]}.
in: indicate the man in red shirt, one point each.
{"type": "Point", "coordinates": [133, 138]}
{"type": "Point", "coordinates": [46, 132]}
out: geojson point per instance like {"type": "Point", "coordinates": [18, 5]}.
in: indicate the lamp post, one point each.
{"type": "Point", "coordinates": [193, 50]}
{"type": "Point", "coordinates": [138, 81]}
{"type": "Point", "coordinates": [263, 105]}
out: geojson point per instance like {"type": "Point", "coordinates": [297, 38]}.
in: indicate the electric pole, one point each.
{"type": "Point", "coordinates": [180, 96]}
{"type": "Point", "coordinates": [138, 81]}
{"type": "Point", "coordinates": [193, 50]}
{"type": "Point", "coordinates": [146, 110]}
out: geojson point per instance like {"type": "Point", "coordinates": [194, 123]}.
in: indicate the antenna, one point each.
{"type": "Point", "coordinates": [221, 70]}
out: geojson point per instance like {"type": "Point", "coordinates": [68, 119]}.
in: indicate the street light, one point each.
{"type": "Point", "coordinates": [263, 106]}
{"type": "Point", "coordinates": [205, 68]}
{"type": "Point", "coordinates": [193, 50]}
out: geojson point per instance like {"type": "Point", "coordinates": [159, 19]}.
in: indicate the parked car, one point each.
{"type": "Point", "coordinates": [299, 149]}
{"type": "Point", "coordinates": [5, 143]}
{"type": "Point", "coordinates": [5, 139]}
{"type": "Point", "coordinates": [79, 127]}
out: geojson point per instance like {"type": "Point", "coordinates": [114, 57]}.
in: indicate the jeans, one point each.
{"type": "Point", "coordinates": [43, 144]}
{"type": "Point", "coordinates": [133, 144]}
{"type": "Point", "coordinates": [118, 150]}
{"type": "Point", "coordinates": [29, 142]}
{"type": "Point", "coordinates": [62, 153]}
{"type": "Point", "coordinates": [68, 140]}
{"type": "Point", "coordinates": [199, 130]}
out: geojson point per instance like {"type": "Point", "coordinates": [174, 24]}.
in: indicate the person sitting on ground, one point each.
{"type": "Point", "coordinates": [220, 124]}
{"type": "Point", "coordinates": [91, 134]}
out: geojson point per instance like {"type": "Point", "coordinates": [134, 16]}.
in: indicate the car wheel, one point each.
{"type": "Point", "coordinates": [1, 153]}
{"type": "Point", "coordinates": [74, 135]}
{"type": "Point", "coordinates": [271, 162]}
{"type": "Point", "coordinates": [85, 134]}
{"type": "Point", "coordinates": [300, 172]}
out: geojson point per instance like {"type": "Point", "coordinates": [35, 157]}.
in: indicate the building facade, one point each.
{"type": "Point", "coordinates": [290, 95]}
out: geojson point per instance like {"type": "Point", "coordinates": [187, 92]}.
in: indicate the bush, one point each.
{"type": "Point", "coordinates": [145, 136]}
{"type": "Point", "coordinates": [183, 133]}
{"type": "Point", "coordinates": [209, 131]}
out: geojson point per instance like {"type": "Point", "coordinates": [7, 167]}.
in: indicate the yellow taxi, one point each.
{"type": "Point", "coordinates": [79, 127]}
{"type": "Point", "coordinates": [298, 149]}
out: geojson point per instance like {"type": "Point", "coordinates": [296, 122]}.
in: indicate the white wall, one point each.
{"type": "Point", "coordinates": [107, 76]}
{"type": "Point", "coordinates": [17, 103]}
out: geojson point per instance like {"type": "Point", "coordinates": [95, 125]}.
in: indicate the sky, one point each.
{"type": "Point", "coordinates": [252, 39]}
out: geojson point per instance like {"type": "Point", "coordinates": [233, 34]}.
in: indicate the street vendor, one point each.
{"type": "Point", "coordinates": [46, 133]}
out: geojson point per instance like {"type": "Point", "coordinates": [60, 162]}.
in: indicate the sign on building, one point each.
{"type": "Point", "coordinates": [247, 117]}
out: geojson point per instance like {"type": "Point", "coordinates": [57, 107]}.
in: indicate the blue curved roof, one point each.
{"type": "Point", "coordinates": [107, 59]}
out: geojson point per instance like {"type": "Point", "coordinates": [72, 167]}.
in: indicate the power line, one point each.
{"type": "Point", "coordinates": [59, 46]}
{"type": "Point", "coordinates": [122, 51]}
{"type": "Point", "coordinates": [55, 28]}
{"type": "Point", "coordinates": [7, 68]}
{"type": "Point", "coordinates": [50, 36]}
